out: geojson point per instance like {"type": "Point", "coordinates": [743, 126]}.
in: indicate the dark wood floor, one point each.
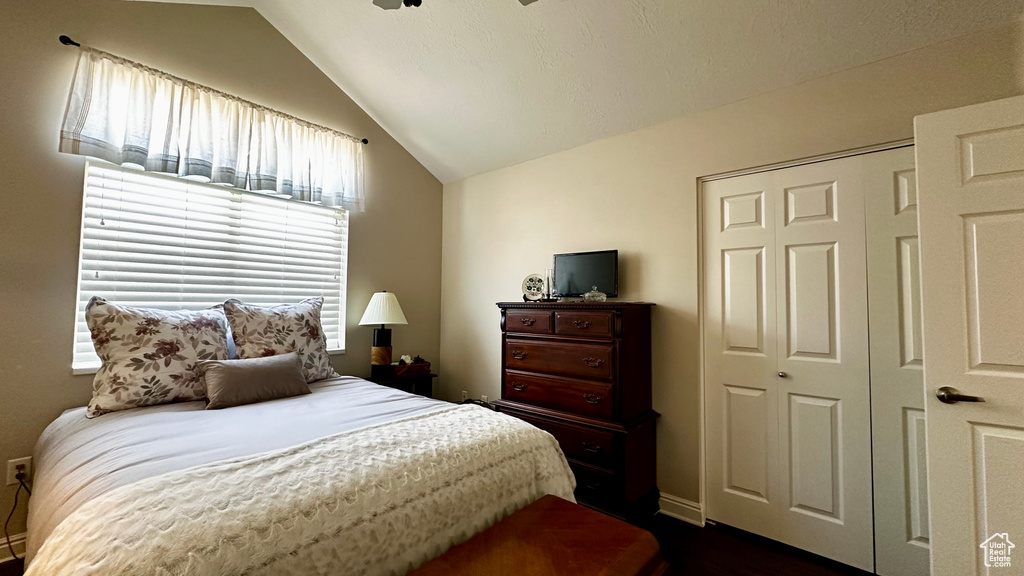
{"type": "Point", "coordinates": [13, 568]}
{"type": "Point", "coordinates": [709, 551]}
{"type": "Point", "coordinates": [723, 551]}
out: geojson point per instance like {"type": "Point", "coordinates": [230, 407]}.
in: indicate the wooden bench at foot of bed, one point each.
{"type": "Point", "coordinates": [553, 536]}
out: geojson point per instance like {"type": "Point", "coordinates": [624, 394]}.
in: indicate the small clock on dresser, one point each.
{"type": "Point", "coordinates": [533, 288]}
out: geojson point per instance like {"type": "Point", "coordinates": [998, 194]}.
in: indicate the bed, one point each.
{"type": "Point", "coordinates": [355, 478]}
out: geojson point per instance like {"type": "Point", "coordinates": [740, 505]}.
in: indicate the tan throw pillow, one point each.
{"type": "Point", "coordinates": [236, 382]}
{"type": "Point", "coordinates": [151, 356]}
{"type": "Point", "coordinates": [261, 331]}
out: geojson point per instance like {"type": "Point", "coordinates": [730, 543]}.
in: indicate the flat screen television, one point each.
{"type": "Point", "coordinates": [578, 273]}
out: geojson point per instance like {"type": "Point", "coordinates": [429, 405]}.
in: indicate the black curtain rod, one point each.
{"type": "Point", "coordinates": [67, 41]}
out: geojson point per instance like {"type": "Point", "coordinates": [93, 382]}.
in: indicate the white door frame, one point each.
{"type": "Point", "coordinates": [700, 273]}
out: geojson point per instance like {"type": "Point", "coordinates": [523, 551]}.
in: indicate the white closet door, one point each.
{"type": "Point", "coordinates": [897, 377]}
{"type": "Point", "coordinates": [788, 434]}
{"type": "Point", "coordinates": [741, 399]}
{"type": "Point", "coordinates": [971, 203]}
{"type": "Point", "coordinates": [824, 398]}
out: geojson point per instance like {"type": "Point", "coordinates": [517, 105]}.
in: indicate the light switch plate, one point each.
{"type": "Point", "coordinates": [12, 469]}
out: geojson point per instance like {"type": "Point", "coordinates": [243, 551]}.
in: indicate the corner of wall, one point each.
{"type": "Point", "coordinates": [682, 509]}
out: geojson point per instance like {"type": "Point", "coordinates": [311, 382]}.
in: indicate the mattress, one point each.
{"type": "Point", "coordinates": [79, 459]}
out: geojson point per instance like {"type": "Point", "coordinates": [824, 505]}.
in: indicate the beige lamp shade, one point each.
{"type": "Point", "coordinates": [383, 309]}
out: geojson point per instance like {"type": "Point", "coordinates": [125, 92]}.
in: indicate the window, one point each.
{"type": "Point", "coordinates": [156, 241]}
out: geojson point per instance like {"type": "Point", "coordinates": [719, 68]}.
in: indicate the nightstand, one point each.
{"type": "Point", "coordinates": [422, 384]}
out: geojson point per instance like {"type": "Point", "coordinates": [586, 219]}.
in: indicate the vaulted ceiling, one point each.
{"type": "Point", "coordinates": [468, 86]}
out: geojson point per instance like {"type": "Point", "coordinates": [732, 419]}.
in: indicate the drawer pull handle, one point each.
{"type": "Point", "coordinates": [518, 386]}
{"type": "Point", "coordinates": [527, 321]}
{"type": "Point", "coordinates": [593, 362]}
{"type": "Point", "coordinates": [592, 486]}
{"type": "Point", "coordinates": [582, 324]}
{"type": "Point", "coordinates": [519, 354]}
{"type": "Point", "coordinates": [591, 447]}
{"type": "Point", "coordinates": [592, 398]}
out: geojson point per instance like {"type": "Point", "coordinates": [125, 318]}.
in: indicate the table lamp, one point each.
{"type": "Point", "coordinates": [383, 309]}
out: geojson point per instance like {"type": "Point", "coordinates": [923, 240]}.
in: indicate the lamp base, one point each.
{"type": "Point", "coordinates": [380, 353]}
{"type": "Point", "coordinates": [380, 356]}
{"type": "Point", "coordinates": [382, 338]}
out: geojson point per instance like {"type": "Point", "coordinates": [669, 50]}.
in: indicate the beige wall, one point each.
{"type": "Point", "coordinates": [637, 193]}
{"type": "Point", "coordinates": [394, 245]}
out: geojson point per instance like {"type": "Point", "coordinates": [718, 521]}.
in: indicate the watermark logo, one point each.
{"type": "Point", "coordinates": [997, 550]}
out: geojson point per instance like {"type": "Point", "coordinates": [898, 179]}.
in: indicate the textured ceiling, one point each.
{"type": "Point", "coordinates": [469, 86]}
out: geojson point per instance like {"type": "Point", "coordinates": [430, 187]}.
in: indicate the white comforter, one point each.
{"type": "Point", "coordinates": [397, 482]}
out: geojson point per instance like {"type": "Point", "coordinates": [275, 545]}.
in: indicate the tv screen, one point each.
{"type": "Point", "coordinates": [576, 274]}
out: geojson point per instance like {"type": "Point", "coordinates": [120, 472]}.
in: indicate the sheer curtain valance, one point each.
{"type": "Point", "coordinates": [129, 114]}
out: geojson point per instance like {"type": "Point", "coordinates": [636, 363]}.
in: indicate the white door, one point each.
{"type": "Point", "coordinates": [897, 394]}
{"type": "Point", "coordinates": [741, 387]}
{"type": "Point", "coordinates": [786, 366]}
{"type": "Point", "coordinates": [970, 170]}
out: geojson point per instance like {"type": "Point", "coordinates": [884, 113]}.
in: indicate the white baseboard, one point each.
{"type": "Point", "coordinates": [17, 541]}
{"type": "Point", "coordinates": [682, 509]}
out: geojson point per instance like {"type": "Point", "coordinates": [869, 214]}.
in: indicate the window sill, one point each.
{"type": "Point", "coordinates": [85, 370]}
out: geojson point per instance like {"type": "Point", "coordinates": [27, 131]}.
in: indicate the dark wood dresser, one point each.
{"type": "Point", "coordinates": [582, 371]}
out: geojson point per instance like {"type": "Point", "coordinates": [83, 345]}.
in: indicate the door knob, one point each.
{"type": "Point", "coordinates": [782, 374]}
{"type": "Point", "coordinates": [950, 395]}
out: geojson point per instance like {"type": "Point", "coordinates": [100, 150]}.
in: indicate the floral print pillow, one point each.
{"type": "Point", "coordinates": [151, 356]}
{"type": "Point", "coordinates": [261, 331]}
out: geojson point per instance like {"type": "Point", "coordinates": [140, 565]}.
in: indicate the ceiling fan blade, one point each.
{"type": "Point", "coordinates": [526, 2]}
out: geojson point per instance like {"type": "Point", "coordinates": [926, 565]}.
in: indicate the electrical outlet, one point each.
{"type": "Point", "coordinates": [484, 398]}
{"type": "Point", "coordinates": [12, 469]}
{"type": "Point", "coordinates": [465, 395]}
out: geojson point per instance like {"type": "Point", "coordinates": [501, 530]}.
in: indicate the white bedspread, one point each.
{"type": "Point", "coordinates": [359, 479]}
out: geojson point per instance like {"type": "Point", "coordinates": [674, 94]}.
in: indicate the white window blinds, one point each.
{"type": "Point", "coordinates": [160, 242]}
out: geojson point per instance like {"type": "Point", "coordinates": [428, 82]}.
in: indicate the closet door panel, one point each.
{"type": "Point", "coordinates": [746, 427]}
{"type": "Point", "coordinates": [815, 456]}
{"type": "Point", "coordinates": [740, 349]}
{"type": "Point", "coordinates": [802, 352]}
{"type": "Point", "coordinates": [810, 281]}
{"type": "Point", "coordinates": [897, 384]}
{"type": "Point", "coordinates": [823, 386]}
{"type": "Point", "coordinates": [743, 284]}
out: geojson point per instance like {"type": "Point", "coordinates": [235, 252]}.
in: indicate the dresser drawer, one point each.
{"type": "Point", "coordinates": [585, 324]}
{"type": "Point", "coordinates": [531, 322]}
{"type": "Point", "coordinates": [589, 445]}
{"type": "Point", "coordinates": [590, 361]}
{"type": "Point", "coordinates": [584, 398]}
{"type": "Point", "coordinates": [594, 485]}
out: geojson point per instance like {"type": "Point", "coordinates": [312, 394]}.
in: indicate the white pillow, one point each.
{"type": "Point", "coordinates": [261, 331]}
{"type": "Point", "coordinates": [151, 356]}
